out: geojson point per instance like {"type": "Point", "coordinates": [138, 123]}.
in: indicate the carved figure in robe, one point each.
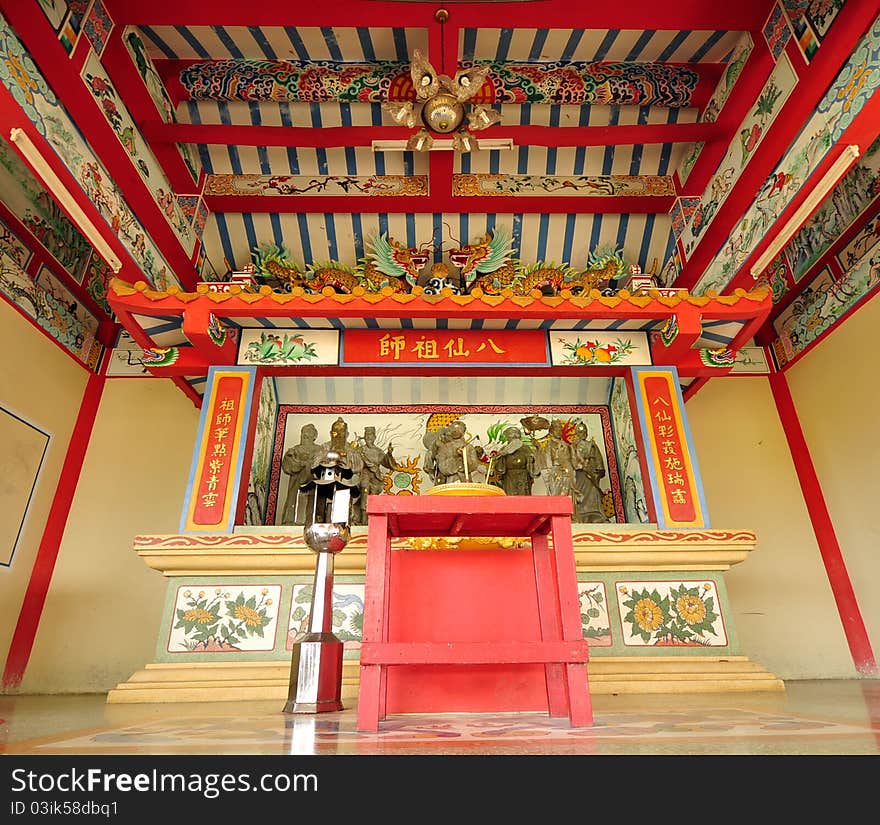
{"type": "Point", "coordinates": [515, 464]}
{"type": "Point", "coordinates": [297, 462]}
{"type": "Point", "coordinates": [375, 462]}
{"type": "Point", "coordinates": [453, 449]}
{"type": "Point", "coordinates": [557, 463]}
{"type": "Point", "coordinates": [589, 471]}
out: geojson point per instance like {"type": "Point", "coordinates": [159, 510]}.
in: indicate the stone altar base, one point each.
{"type": "Point", "coordinates": [653, 603]}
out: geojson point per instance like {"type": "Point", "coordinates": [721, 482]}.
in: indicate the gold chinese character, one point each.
{"type": "Point", "coordinates": [210, 499]}
{"type": "Point", "coordinates": [220, 433]}
{"type": "Point", "coordinates": [659, 400]}
{"type": "Point", "coordinates": [216, 464]}
{"type": "Point", "coordinates": [222, 419]}
{"type": "Point", "coordinates": [227, 404]}
{"type": "Point", "coordinates": [664, 431]}
{"type": "Point", "coordinates": [211, 485]}
{"type": "Point", "coordinates": [391, 346]}
{"type": "Point", "coordinates": [662, 415]}
{"type": "Point", "coordinates": [219, 449]}
{"type": "Point", "coordinates": [673, 464]}
{"type": "Point", "coordinates": [669, 448]}
{"type": "Point", "coordinates": [679, 497]}
{"type": "Point", "coordinates": [492, 344]}
{"type": "Point", "coordinates": [675, 478]}
{"type": "Point", "coordinates": [425, 348]}
{"type": "Point", "coordinates": [455, 348]}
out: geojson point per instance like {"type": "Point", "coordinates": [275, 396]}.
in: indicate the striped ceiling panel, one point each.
{"type": "Point", "coordinates": [316, 115]}
{"type": "Point", "coordinates": [352, 45]}
{"type": "Point", "coordinates": [552, 45]}
{"type": "Point", "coordinates": [359, 45]}
{"type": "Point", "coordinates": [164, 331]}
{"type": "Point", "coordinates": [653, 159]}
{"type": "Point", "coordinates": [645, 239]}
{"type": "Point", "coordinates": [388, 389]}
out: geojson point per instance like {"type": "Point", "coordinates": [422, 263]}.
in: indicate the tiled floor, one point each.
{"type": "Point", "coordinates": [810, 717]}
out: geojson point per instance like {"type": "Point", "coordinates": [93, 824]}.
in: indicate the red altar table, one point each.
{"type": "Point", "coordinates": [559, 649]}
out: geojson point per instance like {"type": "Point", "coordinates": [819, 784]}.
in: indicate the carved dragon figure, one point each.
{"type": "Point", "coordinates": [486, 264]}
{"type": "Point", "coordinates": [390, 265]}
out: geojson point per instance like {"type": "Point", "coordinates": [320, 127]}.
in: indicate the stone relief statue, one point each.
{"type": "Point", "coordinates": [453, 457]}
{"type": "Point", "coordinates": [375, 462]}
{"type": "Point", "coordinates": [297, 463]}
{"type": "Point", "coordinates": [589, 470]}
{"type": "Point", "coordinates": [515, 464]}
{"type": "Point", "coordinates": [557, 463]}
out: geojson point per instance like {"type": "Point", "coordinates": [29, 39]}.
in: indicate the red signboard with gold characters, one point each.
{"type": "Point", "coordinates": [678, 496]}
{"type": "Point", "coordinates": [463, 347]}
{"type": "Point", "coordinates": [211, 498]}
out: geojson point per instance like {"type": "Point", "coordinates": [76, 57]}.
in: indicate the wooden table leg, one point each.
{"type": "Point", "coordinates": [569, 608]}
{"type": "Point", "coordinates": [375, 621]}
{"type": "Point", "coordinates": [548, 615]}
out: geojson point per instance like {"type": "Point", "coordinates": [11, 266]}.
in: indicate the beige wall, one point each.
{"type": "Point", "coordinates": [783, 607]}
{"type": "Point", "coordinates": [103, 609]}
{"type": "Point", "coordinates": [40, 383]}
{"type": "Point", "coordinates": [836, 390]}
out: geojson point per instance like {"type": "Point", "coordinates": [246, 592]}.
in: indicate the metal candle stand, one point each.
{"type": "Point", "coordinates": [316, 664]}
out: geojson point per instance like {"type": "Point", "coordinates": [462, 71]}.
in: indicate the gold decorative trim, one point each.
{"type": "Point", "coordinates": [196, 554]}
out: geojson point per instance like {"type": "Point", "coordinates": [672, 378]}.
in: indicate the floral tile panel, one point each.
{"type": "Point", "coordinates": [670, 614]}
{"type": "Point", "coordinates": [348, 613]}
{"type": "Point", "coordinates": [224, 618]}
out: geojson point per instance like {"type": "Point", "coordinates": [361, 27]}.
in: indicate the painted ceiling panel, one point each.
{"type": "Point", "coordinates": [352, 45]}
{"type": "Point", "coordinates": [238, 113]}
{"type": "Point", "coordinates": [549, 45]}
{"type": "Point", "coordinates": [281, 160]}
{"type": "Point", "coordinates": [313, 237]}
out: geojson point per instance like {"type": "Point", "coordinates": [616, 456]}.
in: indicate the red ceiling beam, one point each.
{"type": "Point", "coordinates": [744, 15]}
{"type": "Point", "coordinates": [37, 35]}
{"type": "Point", "coordinates": [441, 202]}
{"type": "Point", "coordinates": [844, 35]}
{"type": "Point", "coordinates": [157, 134]}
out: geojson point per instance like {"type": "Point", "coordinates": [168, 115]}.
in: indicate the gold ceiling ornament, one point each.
{"type": "Point", "coordinates": [441, 103]}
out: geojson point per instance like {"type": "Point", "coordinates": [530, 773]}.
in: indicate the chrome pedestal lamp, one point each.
{"type": "Point", "coordinates": [316, 663]}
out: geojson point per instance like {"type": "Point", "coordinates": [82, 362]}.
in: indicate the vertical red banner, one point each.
{"type": "Point", "coordinates": [673, 473]}
{"type": "Point", "coordinates": [220, 445]}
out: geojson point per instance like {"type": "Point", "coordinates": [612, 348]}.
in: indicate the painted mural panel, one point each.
{"type": "Point", "coordinates": [862, 242]}
{"type": "Point", "coordinates": [773, 197]}
{"type": "Point", "coordinates": [591, 349]}
{"type": "Point", "coordinates": [846, 97]}
{"type": "Point", "coordinates": [348, 613]}
{"type": "Point", "coordinates": [810, 21]}
{"type": "Point", "coordinates": [261, 464]}
{"type": "Point", "coordinates": [627, 451]}
{"type": "Point", "coordinates": [33, 95]}
{"type": "Point", "coordinates": [776, 31]}
{"type": "Point", "coordinates": [32, 205]}
{"type": "Point", "coordinates": [822, 303]}
{"type": "Point", "coordinates": [732, 71]}
{"type": "Point", "coordinates": [847, 201]}
{"type": "Point", "coordinates": [49, 303]}
{"type": "Point", "coordinates": [670, 614]}
{"type": "Point", "coordinates": [777, 276]}
{"type": "Point", "coordinates": [66, 17]}
{"type": "Point", "coordinates": [226, 618]}
{"type": "Point", "coordinates": [283, 348]}
{"type": "Point", "coordinates": [750, 134]}
{"type": "Point", "coordinates": [159, 94]}
{"type": "Point", "coordinates": [148, 168]}
{"type": "Point", "coordinates": [594, 613]}
{"type": "Point", "coordinates": [415, 434]}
